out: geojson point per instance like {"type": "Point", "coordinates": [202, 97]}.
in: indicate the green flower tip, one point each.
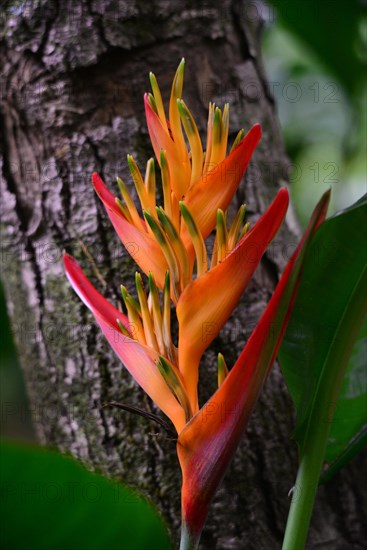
{"type": "Point", "coordinates": [123, 329]}
{"type": "Point", "coordinates": [163, 158]}
{"type": "Point", "coordinates": [138, 281]}
{"type": "Point", "coordinates": [167, 282]}
{"type": "Point", "coordinates": [220, 216]}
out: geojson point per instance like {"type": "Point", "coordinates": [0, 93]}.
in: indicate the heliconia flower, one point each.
{"type": "Point", "coordinates": [206, 445]}
{"type": "Point", "coordinates": [168, 243]}
{"type": "Point", "coordinates": [146, 328]}
{"type": "Point", "coordinates": [203, 181]}
{"type": "Point", "coordinates": [207, 438]}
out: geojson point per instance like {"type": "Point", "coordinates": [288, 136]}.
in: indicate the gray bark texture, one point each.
{"type": "Point", "coordinates": [73, 75]}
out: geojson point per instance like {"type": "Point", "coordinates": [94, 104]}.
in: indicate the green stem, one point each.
{"type": "Point", "coordinates": [305, 489]}
{"type": "Point", "coordinates": [313, 447]}
{"type": "Point", "coordinates": [189, 541]}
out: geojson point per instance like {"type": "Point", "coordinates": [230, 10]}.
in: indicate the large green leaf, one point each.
{"type": "Point", "coordinates": [333, 30]}
{"type": "Point", "coordinates": [325, 374]}
{"type": "Point", "coordinates": [50, 501]}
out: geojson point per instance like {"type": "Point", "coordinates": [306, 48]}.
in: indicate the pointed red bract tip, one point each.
{"type": "Point", "coordinates": [108, 198]}
{"type": "Point", "coordinates": [89, 295]}
{"type": "Point", "coordinates": [257, 130]}
{"type": "Point", "coordinates": [68, 261]}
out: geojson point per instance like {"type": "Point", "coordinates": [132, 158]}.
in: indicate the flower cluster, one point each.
{"type": "Point", "coordinates": [197, 188]}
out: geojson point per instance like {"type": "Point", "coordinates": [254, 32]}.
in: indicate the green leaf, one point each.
{"type": "Point", "coordinates": [333, 30]}
{"type": "Point", "coordinates": [51, 501]}
{"type": "Point", "coordinates": [348, 433]}
{"type": "Point", "coordinates": [324, 373]}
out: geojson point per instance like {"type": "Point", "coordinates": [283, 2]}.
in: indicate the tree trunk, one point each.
{"type": "Point", "coordinates": [73, 79]}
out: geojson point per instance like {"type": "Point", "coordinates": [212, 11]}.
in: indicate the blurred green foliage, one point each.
{"type": "Point", "coordinates": [334, 31]}
{"type": "Point", "coordinates": [50, 501]}
{"type": "Point", "coordinates": [349, 428]}
{"type": "Point", "coordinates": [314, 62]}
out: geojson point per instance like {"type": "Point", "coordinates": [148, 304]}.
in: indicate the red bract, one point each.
{"type": "Point", "coordinates": [211, 308]}
{"type": "Point", "coordinates": [140, 360]}
{"type": "Point", "coordinates": [207, 444]}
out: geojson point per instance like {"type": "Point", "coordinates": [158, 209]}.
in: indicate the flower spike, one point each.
{"type": "Point", "coordinates": [197, 240]}
{"type": "Point", "coordinates": [222, 369]}
{"type": "Point", "coordinates": [166, 321]}
{"type": "Point", "coordinates": [158, 100]}
{"type": "Point", "coordinates": [198, 187]}
{"type": "Point", "coordinates": [133, 213]}
{"type": "Point", "coordinates": [236, 226]}
{"type": "Point", "coordinates": [149, 333]}
{"type": "Point", "coordinates": [222, 236]}
{"type": "Point", "coordinates": [177, 245]}
{"type": "Point", "coordinates": [156, 312]}
{"type": "Point", "coordinates": [174, 115]}
{"type": "Point", "coordinates": [197, 156]}
{"type": "Point", "coordinates": [168, 252]}
{"type": "Point", "coordinates": [173, 378]}
{"type": "Point", "coordinates": [238, 139]}
{"type": "Point", "coordinates": [150, 183]}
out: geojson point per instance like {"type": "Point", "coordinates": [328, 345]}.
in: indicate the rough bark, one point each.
{"type": "Point", "coordinates": [73, 78]}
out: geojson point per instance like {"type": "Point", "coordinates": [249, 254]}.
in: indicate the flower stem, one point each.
{"type": "Point", "coordinates": [189, 541]}
{"type": "Point", "coordinates": [305, 489]}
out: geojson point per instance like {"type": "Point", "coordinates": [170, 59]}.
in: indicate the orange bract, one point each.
{"type": "Point", "coordinates": [207, 302]}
